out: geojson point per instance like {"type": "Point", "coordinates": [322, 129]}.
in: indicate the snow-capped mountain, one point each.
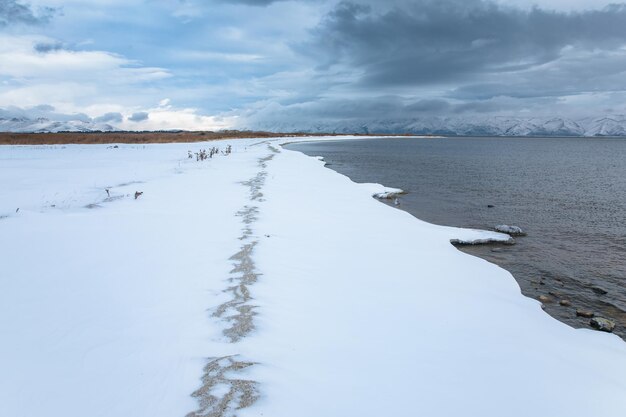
{"type": "Point", "coordinates": [43, 124]}
{"type": "Point", "coordinates": [450, 126]}
{"type": "Point", "coordinates": [459, 126]}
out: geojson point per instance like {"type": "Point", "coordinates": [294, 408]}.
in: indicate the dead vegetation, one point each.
{"type": "Point", "coordinates": [62, 138]}
{"type": "Point", "coordinates": [203, 154]}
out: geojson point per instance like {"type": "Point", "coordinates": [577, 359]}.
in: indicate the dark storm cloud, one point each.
{"type": "Point", "coordinates": [498, 105]}
{"type": "Point", "coordinates": [45, 47]}
{"type": "Point", "coordinates": [427, 41]}
{"type": "Point", "coordinates": [139, 116]}
{"type": "Point", "coordinates": [575, 72]}
{"type": "Point", "coordinates": [110, 118]}
{"type": "Point", "coordinates": [427, 106]}
{"type": "Point", "coordinates": [348, 109]}
{"type": "Point", "coordinates": [13, 12]}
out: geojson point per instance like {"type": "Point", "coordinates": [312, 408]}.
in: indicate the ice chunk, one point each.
{"type": "Point", "coordinates": [510, 230]}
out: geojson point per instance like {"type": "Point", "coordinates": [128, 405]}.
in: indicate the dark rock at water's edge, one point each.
{"type": "Point", "coordinates": [544, 299]}
{"type": "Point", "coordinates": [584, 313]}
{"type": "Point", "coordinates": [599, 291]}
{"type": "Point", "coordinates": [600, 323]}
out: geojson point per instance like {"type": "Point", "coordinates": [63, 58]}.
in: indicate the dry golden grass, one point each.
{"type": "Point", "coordinates": [7, 138]}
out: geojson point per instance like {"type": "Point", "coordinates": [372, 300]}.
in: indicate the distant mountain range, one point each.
{"type": "Point", "coordinates": [43, 124]}
{"type": "Point", "coordinates": [451, 126]}
{"type": "Point", "coordinates": [463, 126]}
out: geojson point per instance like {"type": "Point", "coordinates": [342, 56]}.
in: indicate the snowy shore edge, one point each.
{"type": "Point", "coordinates": [263, 284]}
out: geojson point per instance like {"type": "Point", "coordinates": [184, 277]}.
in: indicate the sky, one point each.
{"type": "Point", "coordinates": [217, 64]}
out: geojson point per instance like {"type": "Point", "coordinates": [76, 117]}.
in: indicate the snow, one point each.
{"type": "Point", "coordinates": [388, 193]}
{"type": "Point", "coordinates": [103, 311]}
{"type": "Point", "coordinates": [22, 123]}
{"type": "Point", "coordinates": [358, 308]}
{"type": "Point", "coordinates": [511, 230]}
{"type": "Point", "coordinates": [479, 237]}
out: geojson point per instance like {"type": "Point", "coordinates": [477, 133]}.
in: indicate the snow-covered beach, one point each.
{"type": "Point", "coordinates": [264, 281]}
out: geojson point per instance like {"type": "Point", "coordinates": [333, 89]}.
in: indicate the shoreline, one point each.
{"type": "Point", "coordinates": [548, 286]}
{"type": "Point", "coordinates": [329, 295]}
{"type": "Point", "coordinates": [430, 307]}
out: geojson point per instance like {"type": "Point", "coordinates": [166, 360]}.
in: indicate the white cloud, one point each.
{"type": "Point", "coordinates": [19, 59]}
{"type": "Point", "coordinates": [160, 118]}
{"type": "Point", "coordinates": [46, 117]}
{"type": "Point", "coordinates": [196, 55]}
{"type": "Point", "coordinates": [89, 81]}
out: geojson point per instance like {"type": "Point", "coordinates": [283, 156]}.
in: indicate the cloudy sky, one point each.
{"type": "Point", "coordinates": [209, 64]}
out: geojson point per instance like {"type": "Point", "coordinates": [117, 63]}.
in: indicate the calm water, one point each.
{"type": "Point", "coordinates": [568, 194]}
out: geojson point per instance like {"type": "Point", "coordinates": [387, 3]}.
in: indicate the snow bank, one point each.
{"type": "Point", "coordinates": [271, 283]}
{"type": "Point", "coordinates": [388, 193]}
{"type": "Point", "coordinates": [480, 237]}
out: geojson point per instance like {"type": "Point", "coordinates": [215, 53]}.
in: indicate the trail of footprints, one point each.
{"type": "Point", "coordinates": [222, 394]}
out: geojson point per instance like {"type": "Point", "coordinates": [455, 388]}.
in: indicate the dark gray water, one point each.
{"type": "Point", "coordinates": [568, 194]}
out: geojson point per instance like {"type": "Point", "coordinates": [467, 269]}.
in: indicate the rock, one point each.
{"type": "Point", "coordinates": [510, 230]}
{"type": "Point", "coordinates": [544, 299]}
{"type": "Point", "coordinates": [565, 303]}
{"type": "Point", "coordinates": [602, 324]}
{"type": "Point", "coordinates": [598, 290]}
{"type": "Point", "coordinates": [584, 313]}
